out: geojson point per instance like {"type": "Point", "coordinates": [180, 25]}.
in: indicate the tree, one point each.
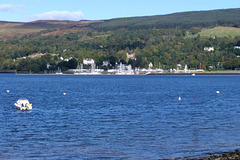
{"type": "Point", "coordinates": [72, 64]}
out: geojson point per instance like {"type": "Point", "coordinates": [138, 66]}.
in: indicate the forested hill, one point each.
{"type": "Point", "coordinates": [184, 20]}
{"type": "Point", "coordinates": [179, 38]}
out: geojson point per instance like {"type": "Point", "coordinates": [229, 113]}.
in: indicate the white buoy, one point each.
{"type": "Point", "coordinates": [64, 94]}
{"type": "Point", "coordinates": [179, 98]}
{"type": "Point", "coordinates": [217, 92]}
{"type": "Point", "coordinates": [8, 91]}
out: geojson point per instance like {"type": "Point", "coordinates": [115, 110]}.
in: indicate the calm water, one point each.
{"type": "Point", "coordinates": [112, 117]}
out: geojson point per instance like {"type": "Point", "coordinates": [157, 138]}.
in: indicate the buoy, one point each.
{"type": "Point", "coordinates": [8, 91]}
{"type": "Point", "coordinates": [179, 98]}
{"type": "Point", "coordinates": [217, 92]}
{"type": "Point", "coordinates": [64, 94]}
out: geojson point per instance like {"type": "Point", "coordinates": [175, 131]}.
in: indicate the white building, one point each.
{"type": "Point", "coordinates": [105, 63]}
{"type": "Point", "coordinates": [131, 56]}
{"type": "Point", "coordinates": [209, 49]}
{"type": "Point", "coordinates": [88, 61]}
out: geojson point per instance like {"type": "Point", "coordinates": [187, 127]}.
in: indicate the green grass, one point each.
{"type": "Point", "coordinates": [218, 32]}
{"type": "Point", "coordinates": [103, 36]}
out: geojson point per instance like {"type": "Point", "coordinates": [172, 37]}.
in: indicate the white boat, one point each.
{"type": "Point", "coordinates": [59, 71]}
{"type": "Point", "coordinates": [23, 104]}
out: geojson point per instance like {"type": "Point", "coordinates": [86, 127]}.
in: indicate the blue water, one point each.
{"type": "Point", "coordinates": [118, 117]}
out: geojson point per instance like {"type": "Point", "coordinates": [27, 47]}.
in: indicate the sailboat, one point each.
{"type": "Point", "coordinates": [79, 69]}
{"type": "Point", "coordinates": [59, 71]}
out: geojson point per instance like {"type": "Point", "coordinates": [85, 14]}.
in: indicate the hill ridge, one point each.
{"type": "Point", "coordinates": [183, 20]}
{"type": "Point", "coordinates": [178, 20]}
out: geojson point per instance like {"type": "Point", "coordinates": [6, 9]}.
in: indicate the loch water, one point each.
{"type": "Point", "coordinates": [119, 117]}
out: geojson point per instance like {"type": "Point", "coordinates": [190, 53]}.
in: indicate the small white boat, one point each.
{"type": "Point", "coordinates": [59, 71]}
{"type": "Point", "coordinates": [23, 104]}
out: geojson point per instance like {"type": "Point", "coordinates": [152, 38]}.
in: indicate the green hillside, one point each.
{"type": "Point", "coordinates": [220, 32]}
{"type": "Point", "coordinates": [184, 20]}
{"type": "Point", "coordinates": [167, 40]}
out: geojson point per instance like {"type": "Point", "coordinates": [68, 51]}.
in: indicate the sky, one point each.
{"type": "Point", "coordinates": [32, 10]}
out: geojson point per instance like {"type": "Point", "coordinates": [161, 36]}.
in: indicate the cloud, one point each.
{"type": "Point", "coordinates": [58, 15]}
{"type": "Point", "coordinates": [11, 8]}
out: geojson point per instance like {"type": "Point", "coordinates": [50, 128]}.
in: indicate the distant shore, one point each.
{"type": "Point", "coordinates": [202, 73]}
{"type": "Point", "coordinates": [7, 71]}
{"type": "Point", "coordinates": [163, 73]}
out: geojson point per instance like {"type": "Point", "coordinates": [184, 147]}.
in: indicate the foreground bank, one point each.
{"type": "Point", "coordinates": [223, 156]}
{"type": "Point", "coordinates": [212, 156]}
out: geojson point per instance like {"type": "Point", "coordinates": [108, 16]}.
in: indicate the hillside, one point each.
{"type": "Point", "coordinates": [17, 29]}
{"type": "Point", "coordinates": [184, 20]}
{"type": "Point", "coordinates": [220, 32]}
{"type": "Point", "coordinates": [9, 30]}
{"type": "Point", "coordinates": [167, 40]}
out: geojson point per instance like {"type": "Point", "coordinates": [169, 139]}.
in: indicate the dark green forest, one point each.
{"type": "Point", "coordinates": [157, 39]}
{"type": "Point", "coordinates": [183, 20]}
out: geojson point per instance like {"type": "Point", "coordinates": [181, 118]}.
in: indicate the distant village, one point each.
{"type": "Point", "coordinates": [88, 66]}
{"type": "Point", "coordinates": [125, 69]}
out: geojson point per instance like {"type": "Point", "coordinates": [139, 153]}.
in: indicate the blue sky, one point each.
{"type": "Point", "coordinates": [30, 10]}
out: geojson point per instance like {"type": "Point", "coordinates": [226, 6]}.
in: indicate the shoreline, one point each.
{"type": "Point", "coordinates": [221, 156]}
{"type": "Point", "coordinates": [231, 155]}
{"type": "Point", "coordinates": [205, 73]}
{"type": "Point", "coordinates": [226, 72]}
{"type": "Point", "coordinates": [152, 74]}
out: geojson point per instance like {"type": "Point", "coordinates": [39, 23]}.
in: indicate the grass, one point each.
{"type": "Point", "coordinates": [10, 33]}
{"type": "Point", "coordinates": [10, 30]}
{"type": "Point", "coordinates": [218, 32]}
